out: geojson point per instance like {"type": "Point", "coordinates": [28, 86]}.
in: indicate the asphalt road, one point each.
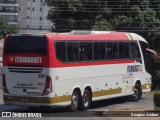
{"type": "Point", "coordinates": [96, 111]}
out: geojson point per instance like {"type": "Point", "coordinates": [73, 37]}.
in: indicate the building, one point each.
{"type": "Point", "coordinates": [32, 16]}
{"type": "Point", "coordinates": [8, 9]}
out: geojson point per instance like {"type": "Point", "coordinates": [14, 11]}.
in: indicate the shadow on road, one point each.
{"type": "Point", "coordinates": [108, 102]}
{"type": "Point", "coordinates": [94, 106]}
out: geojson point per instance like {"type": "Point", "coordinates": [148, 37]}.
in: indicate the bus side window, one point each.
{"type": "Point", "coordinates": [134, 49]}
{"type": "Point", "coordinates": [123, 50]}
{"type": "Point", "coordinates": [85, 51]}
{"type": "Point", "coordinates": [96, 51]}
{"type": "Point", "coordinates": [99, 51]}
{"type": "Point", "coordinates": [61, 51]}
{"type": "Point", "coordinates": [127, 55]}
{"type": "Point", "coordinates": [72, 51]}
{"type": "Point", "coordinates": [115, 50]}
{"type": "Point", "coordinates": [109, 49]}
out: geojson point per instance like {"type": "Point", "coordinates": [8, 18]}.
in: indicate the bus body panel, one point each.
{"type": "Point", "coordinates": [107, 79]}
{"type": "Point", "coordinates": [23, 83]}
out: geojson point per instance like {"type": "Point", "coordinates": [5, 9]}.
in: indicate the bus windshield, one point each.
{"type": "Point", "coordinates": [26, 44]}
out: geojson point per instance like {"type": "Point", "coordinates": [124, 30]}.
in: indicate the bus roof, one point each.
{"type": "Point", "coordinates": [92, 35]}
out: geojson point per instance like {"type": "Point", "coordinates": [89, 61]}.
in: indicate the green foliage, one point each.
{"type": "Point", "coordinates": [156, 98]}
{"type": "Point", "coordinates": [156, 75]}
{"type": "Point", "coordinates": [74, 14]}
{"type": "Point", "coordinates": [5, 28]}
{"type": "Point", "coordinates": [139, 16]}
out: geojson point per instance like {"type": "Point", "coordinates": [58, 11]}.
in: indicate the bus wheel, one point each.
{"type": "Point", "coordinates": [85, 100]}
{"type": "Point", "coordinates": [137, 93]}
{"type": "Point", "coordinates": [74, 101]}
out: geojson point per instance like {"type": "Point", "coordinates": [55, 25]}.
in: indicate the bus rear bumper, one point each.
{"type": "Point", "coordinates": [38, 104]}
{"type": "Point", "coordinates": [34, 101]}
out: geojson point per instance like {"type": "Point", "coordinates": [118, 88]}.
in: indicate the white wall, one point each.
{"type": "Point", "coordinates": [29, 19]}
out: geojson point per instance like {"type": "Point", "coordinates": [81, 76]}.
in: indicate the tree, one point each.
{"type": "Point", "coordinates": [74, 14]}
{"type": "Point", "coordinates": [138, 16]}
{"type": "Point", "coordinates": [5, 28]}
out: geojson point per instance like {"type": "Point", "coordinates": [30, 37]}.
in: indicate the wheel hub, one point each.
{"type": "Point", "coordinates": [74, 100]}
{"type": "Point", "coordinates": [86, 100]}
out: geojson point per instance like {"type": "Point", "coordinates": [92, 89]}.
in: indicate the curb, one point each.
{"type": "Point", "coordinates": [128, 111]}
{"type": "Point", "coordinates": [131, 108]}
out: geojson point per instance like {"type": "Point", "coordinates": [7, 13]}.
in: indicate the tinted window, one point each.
{"type": "Point", "coordinates": [123, 50]}
{"type": "Point", "coordinates": [99, 51]}
{"type": "Point", "coordinates": [109, 50]}
{"type": "Point", "coordinates": [143, 47]}
{"type": "Point", "coordinates": [115, 50]}
{"type": "Point", "coordinates": [26, 44]}
{"type": "Point", "coordinates": [149, 62]}
{"type": "Point", "coordinates": [85, 50]}
{"type": "Point", "coordinates": [61, 51]}
{"type": "Point", "coordinates": [127, 55]}
{"type": "Point", "coordinates": [134, 50]}
{"type": "Point", "coordinates": [72, 51]}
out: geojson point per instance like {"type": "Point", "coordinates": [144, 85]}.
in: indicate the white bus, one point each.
{"type": "Point", "coordinates": [74, 69]}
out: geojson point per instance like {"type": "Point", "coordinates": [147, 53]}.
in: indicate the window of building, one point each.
{"type": "Point", "coordinates": [32, 9]}
{"type": "Point", "coordinates": [40, 18]}
{"type": "Point", "coordinates": [20, 8]}
{"type": "Point", "coordinates": [40, 9]}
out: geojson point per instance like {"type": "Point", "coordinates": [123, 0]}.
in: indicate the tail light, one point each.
{"type": "Point", "coordinates": [5, 90]}
{"type": "Point", "coordinates": [48, 86]}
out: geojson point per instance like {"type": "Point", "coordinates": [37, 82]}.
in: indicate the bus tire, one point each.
{"type": "Point", "coordinates": [137, 93]}
{"type": "Point", "coordinates": [85, 100]}
{"type": "Point", "coordinates": [74, 101]}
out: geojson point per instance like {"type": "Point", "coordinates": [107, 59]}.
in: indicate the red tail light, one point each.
{"type": "Point", "coordinates": [5, 90]}
{"type": "Point", "coordinates": [48, 86]}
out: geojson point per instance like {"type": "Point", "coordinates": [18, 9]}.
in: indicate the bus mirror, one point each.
{"type": "Point", "coordinates": [153, 52]}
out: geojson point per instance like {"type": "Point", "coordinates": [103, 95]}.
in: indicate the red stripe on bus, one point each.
{"type": "Point", "coordinates": [59, 64]}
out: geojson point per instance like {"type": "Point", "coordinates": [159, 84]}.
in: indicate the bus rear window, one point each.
{"type": "Point", "coordinates": [26, 44]}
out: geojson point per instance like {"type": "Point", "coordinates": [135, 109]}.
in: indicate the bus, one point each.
{"type": "Point", "coordinates": [73, 69]}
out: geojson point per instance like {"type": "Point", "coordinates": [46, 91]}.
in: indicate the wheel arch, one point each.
{"type": "Point", "coordinates": [138, 82]}
{"type": "Point", "coordinates": [78, 89]}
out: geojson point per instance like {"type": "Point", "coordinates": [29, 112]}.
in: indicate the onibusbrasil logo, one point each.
{"type": "Point", "coordinates": [21, 115]}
